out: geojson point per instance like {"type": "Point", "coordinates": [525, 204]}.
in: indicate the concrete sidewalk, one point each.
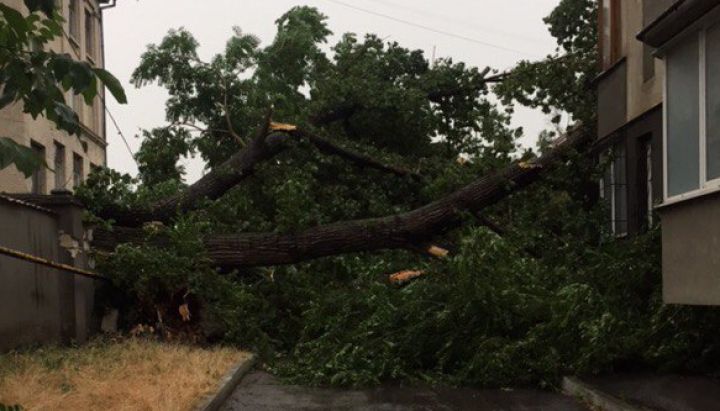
{"type": "Point", "coordinates": [661, 392]}
{"type": "Point", "coordinates": [260, 391]}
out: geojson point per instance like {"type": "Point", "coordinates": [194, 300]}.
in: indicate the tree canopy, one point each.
{"type": "Point", "coordinates": [331, 168]}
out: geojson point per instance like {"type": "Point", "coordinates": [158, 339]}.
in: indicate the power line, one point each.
{"type": "Point", "coordinates": [104, 103]}
{"type": "Point", "coordinates": [427, 28]}
{"type": "Point", "coordinates": [456, 21]}
{"type": "Point", "coordinates": [117, 127]}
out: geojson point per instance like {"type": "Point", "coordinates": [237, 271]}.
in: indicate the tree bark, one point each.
{"type": "Point", "coordinates": [360, 160]}
{"type": "Point", "coordinates": [216, 183]}
{"type": "Point", "coordinates": [211, 186]}
{"type": "Point", "coordinates": [393, 232]}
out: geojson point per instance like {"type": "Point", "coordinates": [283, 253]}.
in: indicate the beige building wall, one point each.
{"type": "Point", "coordinates": [79, 154]}
{"type": "Point", "coordinates": [642, 93]}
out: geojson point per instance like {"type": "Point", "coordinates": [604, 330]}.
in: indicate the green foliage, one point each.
{"type": "Point", "coordinates": [106, 187]}
{"type": "Point", "coordinates": [561, 83]}
{"type": "Point", "coordinates": [23, 157]}
{"type": "Point", "coordinates": [4, 407]}
{"type": "Point", "coordinates": [38, 77]}
{"type": "Point", "coordinates": [554, 295]}
{"type": "Point", "coordinates": [230, 93]}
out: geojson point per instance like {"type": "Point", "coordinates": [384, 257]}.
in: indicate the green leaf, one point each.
{"type": "Point", "coordinates": [113, 85]}
{"type": "Point", "coordinates": [60, 64]}
{"type": "Point", "coordinates": [24, 158]}
{"type": "Point", "coordinates": [91, 91]}
{"type": "Point", "coordinates": [15, 20]}
{"type": "Point", "coordinates": [66, 118]}
{"type": "Point", "coordinates": [81, 75]}
{"type": "Point", "coordinates": [8, 96]}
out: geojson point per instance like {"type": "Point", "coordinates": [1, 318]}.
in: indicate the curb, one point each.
{"type": "Point", "coordinates": [592, 395]}
{"type": "Point", "coordinates": [227, 385]}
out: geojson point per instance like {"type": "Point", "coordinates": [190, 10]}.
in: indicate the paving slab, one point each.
{"type": "Point", "coordinates": [260, 391]}
{"type": "Point", "coordinates": [662, 392]}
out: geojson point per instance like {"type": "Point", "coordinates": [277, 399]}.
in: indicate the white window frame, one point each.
{"type": "Point", "coordinates": [705, 187]}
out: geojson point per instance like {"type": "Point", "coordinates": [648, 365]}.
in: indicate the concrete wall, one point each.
{"type": "Point", "coordinates": [642, 94]}
{"type": "Point", "coordinates": [41, 304]}
{"type": "Point", "coordinates": [612, 100]}
{"type": "Point", "coordinates": [90, 146]}
{"type": "Point", "coordinates": [626, 91]}
{"type": "Point", "coordinates": [691, 251]}
{"type": "Point", "coordinates": [652, 9]}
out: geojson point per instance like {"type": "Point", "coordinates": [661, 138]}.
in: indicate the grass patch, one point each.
{"type": "Point", "coordinates": [131, 374]}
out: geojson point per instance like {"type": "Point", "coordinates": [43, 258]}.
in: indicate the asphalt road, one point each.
{"type": "Point", "coordinates": [260, 391]}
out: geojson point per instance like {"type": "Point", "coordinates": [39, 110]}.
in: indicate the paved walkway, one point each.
{"type": "Point", "coordinates": [663, 392]}
{"type": "Point", "coordinates": [260, 391]}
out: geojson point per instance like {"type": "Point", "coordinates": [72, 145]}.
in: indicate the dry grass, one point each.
{"type": "Point", "coordinates": [127, 375]}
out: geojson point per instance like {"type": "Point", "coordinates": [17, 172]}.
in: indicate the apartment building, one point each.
{"type": "Point", "coordinates": [659, 114]}
{"type": "Point", "coordinates": [70, 158]}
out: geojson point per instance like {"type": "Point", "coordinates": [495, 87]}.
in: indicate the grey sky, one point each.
{"type": "Point", "coordinates": [507, 24]}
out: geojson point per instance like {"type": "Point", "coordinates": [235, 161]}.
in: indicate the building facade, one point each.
{"type": "Point", "coordinates": [69, 158]}
{"type": "Point", "coordinates": [659, 114]}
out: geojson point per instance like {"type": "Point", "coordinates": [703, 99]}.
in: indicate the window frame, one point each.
{"type": "Point", "coordinates": [78, 172]}
{"type": "Point", "coordinates": [74, 29]}
{"type": "Point", "coordinates": [60, 169]}
{"type": "Point", "coordinates": [38, 179]}
{"type": "Point", "coordinates": [89, 33]}
{"type": "Point", "coordinates": [706, 186]}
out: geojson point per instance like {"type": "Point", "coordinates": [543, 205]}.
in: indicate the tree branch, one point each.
{"type": "Point", "coordinates": [211, 186]}
{"type": "Point", "coordinates": [359, 159]}
{"type": "Point", "coordinates": [392, 232]}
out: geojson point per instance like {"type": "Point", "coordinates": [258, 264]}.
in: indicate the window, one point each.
{"type": "Point", "coordinates": [37, 181]}
{"type": "Point", "coordinates": [613, 190]}
{"type": "Point", "coordinates": [78, 170]}
{"type": "Point", "coordinates": [92, 116]}
{"type": "Point", "coordinates": [692, 114]}
{"type": "Point", "coordinates": [610, 35]}
{"type": "Point", "coordinates": [59, 166]}
{"type": "Point", "coordinates": [77, 105]}
{"type": "Point", "coordinates": [73, 21]}
{"type": "Point", "coordinates": [646, 201]}
{"type": "Point", "coordinates": [650, 202]}
{"type": "Point", "coordinates": [89, 35]}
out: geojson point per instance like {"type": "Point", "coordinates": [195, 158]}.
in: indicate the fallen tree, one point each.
{"type": "Point", "coordinates": [270, 140]}
{"type": "Point", "coordinates": [409, 230]}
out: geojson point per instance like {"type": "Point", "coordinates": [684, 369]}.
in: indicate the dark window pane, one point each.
{"type": "Point", "coordinates": [73, 18]}
{"type": "Point", "coordinates": [89, 35]}
{"type": "Point", "coordinates": [59, 166]}
{"type": "Point", "coordinates": [713, 103]}
{"type": "Point", "coordinates": [37, 181]}
{"type": "Point", "coordinates": [683, 144]}
{"type": "Point", "coordinates": [620, 195]}
{"type": "Point", "coordinates": [78, 170]}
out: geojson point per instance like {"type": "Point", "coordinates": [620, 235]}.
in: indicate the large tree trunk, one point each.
{"type": "Point", "coordinates": [406, 230]}
{"type": "Point", "coordinates": [242, 164]}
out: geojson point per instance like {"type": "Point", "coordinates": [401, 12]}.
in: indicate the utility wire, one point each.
{"type": "Point", "coordinates": [104, 103]}
{"type": "Point", "coordinates": [433, 30]}
{"type": "Point", "coordinates": [456, 21]}
{"type": "Point", "coordinates": [117, 127]}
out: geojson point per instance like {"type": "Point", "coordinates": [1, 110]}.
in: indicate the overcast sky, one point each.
{"type": "Point", "coordinates": [495, 33]}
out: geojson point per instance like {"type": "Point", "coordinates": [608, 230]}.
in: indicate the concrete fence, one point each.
{"type": "Point", "coordinates": [39, 304]}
